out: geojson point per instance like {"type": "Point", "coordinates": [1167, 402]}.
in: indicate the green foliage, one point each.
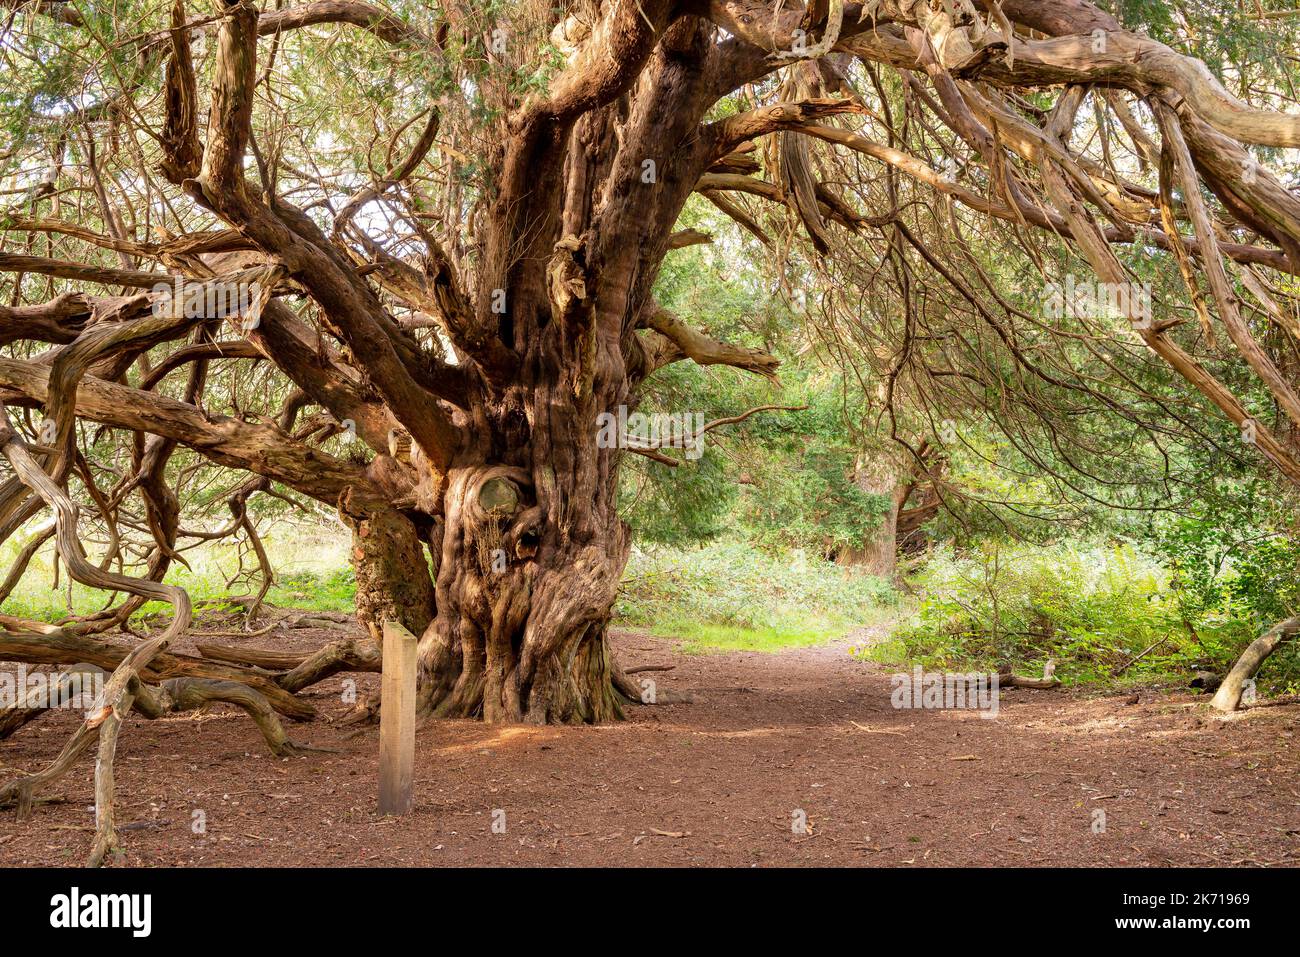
{"type": "Point", "coordinates": [802, 466]}
{"type": "Point", "coordinates": [1090, 608]}
{"type": "Point", "coordinates": [1264, 579]}
{"type": "Point", "coordinates": [1094, 608]}
{"type": "Point", "coordinates": [1247, 570]}
{"type": "Point", "coordinates": [687, 504]}
{"type": "Point", "coordinates": [783, 478]}
{"type": "Point", "coordinates": [731, 595]}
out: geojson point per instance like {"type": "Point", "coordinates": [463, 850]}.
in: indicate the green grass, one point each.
{"type": "Point", "coordinates": [700, 638]}
{"type": "Point", "coordinates": [730, 596]}
{"type": "Point", "coordinates": [310, 564]}
{"type": "Point", "coordinates": [333, 591]}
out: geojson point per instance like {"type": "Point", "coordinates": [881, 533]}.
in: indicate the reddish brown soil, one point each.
{"type": "Point", "coordinates": [715, 781]}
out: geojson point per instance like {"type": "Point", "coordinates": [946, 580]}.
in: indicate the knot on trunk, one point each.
{"type": "Point", "coordinates": [502, 519]}
{"type": "Point", "coordinates": [496, 493]}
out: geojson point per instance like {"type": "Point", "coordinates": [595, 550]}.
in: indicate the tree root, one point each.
{"type": "Point", "coordinates": [304, 670]}
{"type": "Point", "coordinates": [346, 654]}
{"type": "Point", "coordinates": [60, 648]}
{"type": "Point", "coordinates": [187, 694]}
{"type": "Point", "coordinates": [64, 687]}
{"type": "Point", "coordinates": [22, 790]}
{"type": "Point", "coordinates": [1008, 679]}
{"type": "Point", "coordinates": [171, 697]}
{"type": "Point", "coordinates": [634, 692]}
{"type": "Point", "coordinates": [266, 658]}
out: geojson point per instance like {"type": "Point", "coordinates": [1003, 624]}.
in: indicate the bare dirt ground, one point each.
{"type": "Point", "coordinates": [718, 781]}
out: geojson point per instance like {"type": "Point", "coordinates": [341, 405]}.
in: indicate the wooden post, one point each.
{"type": "Point", "coordinates": [397, 721]}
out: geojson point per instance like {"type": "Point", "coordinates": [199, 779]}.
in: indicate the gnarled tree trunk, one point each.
{"type": "Point", "coordinates": [532, 552]}
{"type": "Point", "coordinates": [392, 573]}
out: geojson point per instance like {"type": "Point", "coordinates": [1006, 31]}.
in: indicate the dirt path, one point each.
{"type": "Point", "coordinates": [718, 781]}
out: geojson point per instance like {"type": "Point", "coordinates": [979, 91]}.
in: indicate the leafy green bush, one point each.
{"type": "Point", "coordinates": [1094, 608]}
{"type": "Point", "coordinates": [1088, 608]}
{"type": "Point", "coordinates": [1233, 569]}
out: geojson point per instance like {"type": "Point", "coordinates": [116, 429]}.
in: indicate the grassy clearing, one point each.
{"type": "Point", "coordinates": [729, 596]}
{"type": "Point", "coordinates": [310, 563]}
{"type": "Point", "coordinates": [698, 638]}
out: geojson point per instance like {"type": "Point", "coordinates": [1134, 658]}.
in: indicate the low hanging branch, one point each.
{"type": "Point", "coordinates": [693, 440]}
{"type": "Point", "coordinates": [703, 350]}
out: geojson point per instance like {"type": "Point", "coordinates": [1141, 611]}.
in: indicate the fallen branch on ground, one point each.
{"type": "Point", "coordinates": [1228, 697]}
{"type": "Point", "coordinates": [1007, 679]}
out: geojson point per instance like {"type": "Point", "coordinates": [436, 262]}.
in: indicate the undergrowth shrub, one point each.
{"type": "Point", "coordinates": [1094, 608]}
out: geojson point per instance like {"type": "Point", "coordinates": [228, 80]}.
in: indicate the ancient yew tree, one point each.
{"type": "Point", "coordinates": [453, 216]}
